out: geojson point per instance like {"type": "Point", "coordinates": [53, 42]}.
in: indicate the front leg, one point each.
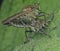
{"type": "Point", "coordinates": [43, 15]}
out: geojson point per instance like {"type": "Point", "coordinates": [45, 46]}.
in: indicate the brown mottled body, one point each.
{"type": "Point", "coordinates": [28, 11]}
{"type": "Point", "coordinates": [28, 17]}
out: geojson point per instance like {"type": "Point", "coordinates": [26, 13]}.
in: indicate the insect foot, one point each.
{"type": "Point", "coordinates": [26, 41]}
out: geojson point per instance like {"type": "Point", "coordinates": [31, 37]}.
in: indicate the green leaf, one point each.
{"type": "Point", "coordinates": [12, 38]}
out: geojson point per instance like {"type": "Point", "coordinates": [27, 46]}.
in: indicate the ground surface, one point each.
{"type": "Point", "coordinates": [12, 38]}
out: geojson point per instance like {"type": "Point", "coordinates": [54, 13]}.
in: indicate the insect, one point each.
{"type": "Point", "coordinates": [28, 18]}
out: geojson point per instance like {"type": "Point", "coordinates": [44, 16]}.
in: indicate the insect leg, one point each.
{"type": "Point", "coordinates": [43, 32]}
{"type": "Point", "coordinates": [32, 46]}
{"type": "Point", "coordinates": [32, 33]}
{"type": "Point", "coordinates": [26, 36]}
{"type": "Point", "coordinates": [52, 29]}
{"type": "Point", "coordinates": [51, 17]}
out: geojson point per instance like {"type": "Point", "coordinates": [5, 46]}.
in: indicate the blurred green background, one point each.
{"type": "Point", "coordinates": [12, 38]}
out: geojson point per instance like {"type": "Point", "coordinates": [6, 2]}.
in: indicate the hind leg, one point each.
{"type": "Point", "coordinates": [44, 32]}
